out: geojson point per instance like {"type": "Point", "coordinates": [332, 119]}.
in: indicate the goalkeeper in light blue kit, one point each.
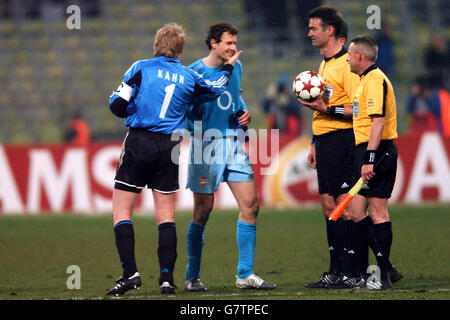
{"type": "Point", "coordinates": [217, 155]}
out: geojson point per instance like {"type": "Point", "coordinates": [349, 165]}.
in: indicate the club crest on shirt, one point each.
{"type": "Point", "coordinates": [355, 109]}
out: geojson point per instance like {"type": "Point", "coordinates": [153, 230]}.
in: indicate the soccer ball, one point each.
{"type": "Point", "coordinates": [307, 86]}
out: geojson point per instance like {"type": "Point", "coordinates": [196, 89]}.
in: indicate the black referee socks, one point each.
{"type": "Point", "coordinates": [336, 238]}
{"type": "Point", "coordinates": [352, 249]}
{"type": "Point", "coordinates": [381, 234]}
{"type": "Point", "coordinates": [364, 244]}
{"type": "Point", "coordinates": [124, 234]}
{"type": "Point", "coordinates": [167, 251]}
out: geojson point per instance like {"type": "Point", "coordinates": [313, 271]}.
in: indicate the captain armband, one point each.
{"type": "Point", "coordinates": [336, 112]}
{"type": "Point", "coordinates": [124, 91]}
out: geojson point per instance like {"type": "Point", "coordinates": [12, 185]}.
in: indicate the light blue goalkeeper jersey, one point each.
{"type": "Point", "coordinates": [165, 90]}
{"type": "Point", "coordinates": [218, 113]}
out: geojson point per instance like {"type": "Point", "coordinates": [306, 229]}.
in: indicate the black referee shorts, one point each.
{"type": "Point", "coordinates": [146, 160]}
{"type": "Point", "coordinates": [382, 184]}
{"type": "Point", "coordinates": [335, 161]}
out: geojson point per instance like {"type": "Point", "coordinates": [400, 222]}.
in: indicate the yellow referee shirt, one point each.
{"type": "Point", "coordinates": [340, 86]}
{"type": "Point", "coordinates": [375, 96]}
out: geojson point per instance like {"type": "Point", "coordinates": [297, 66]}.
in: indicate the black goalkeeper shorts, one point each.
{"type": "Point", "coordinates": [382, 184]}
{"type": "Point", "coordinates": [335, 161]}
{"type": "Point", "coordinates": [146, 161]}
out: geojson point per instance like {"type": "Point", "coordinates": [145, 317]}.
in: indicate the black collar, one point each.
{"type": "Point", "coordinates": [337, 55]}
{"type": "Point", "coordinates": [372, 67]}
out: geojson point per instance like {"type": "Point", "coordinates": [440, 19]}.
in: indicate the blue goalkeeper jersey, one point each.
{"type": "Point", "coordinates": [165, 89]}
{"type": "Point", "coordinates": [218, 113]}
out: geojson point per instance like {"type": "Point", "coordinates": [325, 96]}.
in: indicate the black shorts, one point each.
{"type": "Point", "coordinates": [335, 161]}
{"type": "Point", "coordinates": [382, 184]}
{"type": "Point", "coordinates": [146, 160]}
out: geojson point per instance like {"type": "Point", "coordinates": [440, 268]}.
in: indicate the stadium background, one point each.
{"type": "Point", "coordinates": [48, 73]}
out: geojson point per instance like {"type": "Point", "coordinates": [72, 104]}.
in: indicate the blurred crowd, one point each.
{"type": "Point", "coordinates": [282, 109]}
{"type": "Point", "coordinates": [428, 104]}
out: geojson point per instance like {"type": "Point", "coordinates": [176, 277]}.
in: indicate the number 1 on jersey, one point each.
{"type": "Point", "coordinates": [169, 93]}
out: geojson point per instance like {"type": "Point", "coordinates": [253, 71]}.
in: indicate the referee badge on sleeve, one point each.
{"type": "Point", "coordinates": [355, 109]}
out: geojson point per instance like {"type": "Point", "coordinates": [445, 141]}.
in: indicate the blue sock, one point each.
{"type": "Point", "coordinates": [194, 246]}
{"type": "Point", "coordinates": [246, 240]}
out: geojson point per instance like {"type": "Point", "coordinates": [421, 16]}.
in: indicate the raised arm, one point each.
{"type": "Point", "coordinates": [120, 101]}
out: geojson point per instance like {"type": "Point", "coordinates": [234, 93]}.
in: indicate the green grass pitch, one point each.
{"type": "Point", "coordinates": [291, 250]}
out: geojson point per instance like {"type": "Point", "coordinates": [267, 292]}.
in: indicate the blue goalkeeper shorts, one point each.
{"type": "Point", "coordinates": [219, 160]}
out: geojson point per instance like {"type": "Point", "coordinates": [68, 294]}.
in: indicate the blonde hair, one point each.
{"type": "Point", "coordinates": [169, 41]}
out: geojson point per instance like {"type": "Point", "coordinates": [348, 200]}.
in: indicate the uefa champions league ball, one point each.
{"type": "Point", "coordinates": [307, 86]}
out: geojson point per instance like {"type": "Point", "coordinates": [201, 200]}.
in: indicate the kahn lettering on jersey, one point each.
{"type": "Point", "coordinates": [170, 76]}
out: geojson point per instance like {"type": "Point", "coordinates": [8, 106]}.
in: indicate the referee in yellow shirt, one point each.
{"type": "Point", "coordinates": [332, 151]}
{"type": "Point", "coordinates": [375, 129]}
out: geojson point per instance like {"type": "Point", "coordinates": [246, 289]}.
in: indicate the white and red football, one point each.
{"type": "Point", "coordinates": [307, 86]}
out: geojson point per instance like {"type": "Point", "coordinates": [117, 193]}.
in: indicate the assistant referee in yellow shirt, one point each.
{"type": "Point", "coordinates": [375, 129]}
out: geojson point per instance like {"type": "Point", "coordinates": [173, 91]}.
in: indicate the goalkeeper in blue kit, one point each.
{"type": "Point", "coordinates": [216, 126]}
{"type": "Point", "coordinates": [153, 98]}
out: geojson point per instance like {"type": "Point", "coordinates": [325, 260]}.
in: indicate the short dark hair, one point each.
{"type": "Point", "coordinates": [216, 30]}
{"type": "Point", "coordinates": [330, 17]}
{"type": "Point", "coordinates": [343, 33]}
{"type": "Point", "coordinates": [367, 45]}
